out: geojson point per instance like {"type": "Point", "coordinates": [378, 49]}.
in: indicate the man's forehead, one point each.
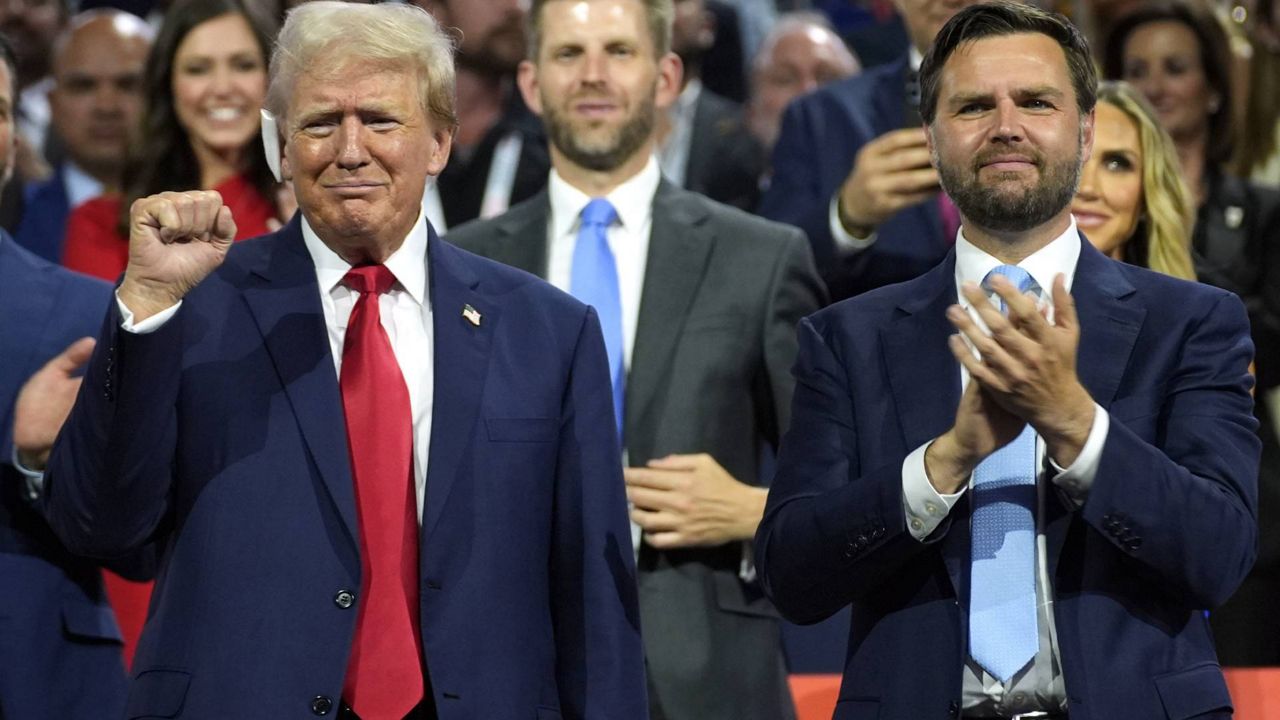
{"type": "Point", "coordinates": [1020, 59]}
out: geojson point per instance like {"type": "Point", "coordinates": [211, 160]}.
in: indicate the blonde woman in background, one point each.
{"type": "Point", "coordinates": [1132, 202]}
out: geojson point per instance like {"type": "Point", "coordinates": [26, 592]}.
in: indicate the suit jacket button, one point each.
{"type": "Point", "coordinates": [953, 709]}
{"type": "Point", "coordinates": [344, 599]}
{"type": "Point", "coordinates": [1134, 544]}
{"type": "Point", "coordinates": [321, 705]}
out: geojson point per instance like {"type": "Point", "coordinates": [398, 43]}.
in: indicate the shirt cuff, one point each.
{"type": "Point", "coordinates": [150, 325]}
{"type": "Point", "coordinates": [34, 479]}
{"type": "Point", "coordinates": [925, 507]}
{"type": "Point", "coordinates": [1077, 479]}
{"type": "Point", "coordinates": [845, 242]}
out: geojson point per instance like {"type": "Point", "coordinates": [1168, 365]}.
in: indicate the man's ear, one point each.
{"type": "Point", "coordinates": [670, 80]}
{"type": "Point", "coordinates": [1086, 136]}
{"type": "Point", "coordinates": [527, 81]}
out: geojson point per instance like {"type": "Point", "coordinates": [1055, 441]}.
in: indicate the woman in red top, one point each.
{"type": "Point", "coordinates": [206, 79]}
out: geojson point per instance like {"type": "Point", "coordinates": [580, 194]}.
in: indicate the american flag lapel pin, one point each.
{"type": "Point", "coordinates": [471, 314]}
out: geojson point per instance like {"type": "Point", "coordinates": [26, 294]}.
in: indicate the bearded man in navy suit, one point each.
{"type": "Point", "coordinates": [381, 472]}
{"type": "Point", "coordinates": [1027, 510]}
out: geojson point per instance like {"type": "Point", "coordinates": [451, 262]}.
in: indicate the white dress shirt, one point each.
{"type": "Point", "coordinates": [79, 185]}
{"type": "Point", "coordinates": [406, 317]}
{"type": "Point", "coordinates": [1039, 686]}
{"type": "Point", "coordinates": [628, 239]}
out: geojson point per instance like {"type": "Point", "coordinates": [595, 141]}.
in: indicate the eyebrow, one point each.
{"type": "Point", "coordinates": [1048, 92]}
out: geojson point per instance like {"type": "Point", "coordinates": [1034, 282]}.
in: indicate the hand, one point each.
{"type": "Point", "coordinates": [1028, 364]}
{"type": "Point", "coordinates": [45, 401]}
{"type": "Point", "coordinates": [175, 241]}
{"type": "Point", "coordinates": [890, 173]}
{"type": "Point", "coordinates": [690, 500]}
{"type": "Point", "coordinates": [982, 427]}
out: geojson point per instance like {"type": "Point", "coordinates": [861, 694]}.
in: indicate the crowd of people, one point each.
{"type": "Point", "coordinates": [730, 168]}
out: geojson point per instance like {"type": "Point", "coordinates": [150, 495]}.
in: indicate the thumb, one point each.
{"type": "Point", "coordinates": [74, 357]}
{"type": "Point", "coordinates": [224, 227]}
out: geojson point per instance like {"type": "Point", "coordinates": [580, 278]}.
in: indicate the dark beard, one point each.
{"type": "Point", "coordinates": [993, 208]}
{"type": "Point", "coordinates": [630, 137]}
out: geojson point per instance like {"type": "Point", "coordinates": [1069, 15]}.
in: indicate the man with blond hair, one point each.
{"type": "Point", "coordinates": [381, 470]}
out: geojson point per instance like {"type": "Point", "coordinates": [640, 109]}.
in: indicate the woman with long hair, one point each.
{"type": "Point", "coordinates": [205, 83]}
{"type": "Point", "coordinates": [1132, 203]}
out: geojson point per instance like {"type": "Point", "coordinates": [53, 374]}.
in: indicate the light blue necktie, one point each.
{"type": "Point", "coordinates": [594, 281]}
{"type": "Point", "coordinates": [1003, 636]}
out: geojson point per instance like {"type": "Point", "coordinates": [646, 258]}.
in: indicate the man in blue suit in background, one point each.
{"type": "Point", "coordinates": [851, 169]}
{"type": "Point", "coordinates": [96, 103]}
{"type": "Point", "coordinates": [382, 472]}
{"type": "Point", "coordinates": [1028, 511]}
{"type": "Point", "coordinates": [57, 632]}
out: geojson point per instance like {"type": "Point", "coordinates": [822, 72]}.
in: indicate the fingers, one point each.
{"type": "Point", "coordinates": [1003, 338]}
{"type": "Point", "coordinates": [75, 356]}
{"type": "Point", "coordinates": [679, 462]}
{"type": "Point", "coordinates": [224, 226]}
{"type": "Point", "coordinates": [979, 374]}
{"type": "Point", "coordinates": [650, 499]}
{"type": "Point", "coordinates": [184, 216]}
{"type": "Point", "coordinates": [654, 478]}
{"type": "Point", "coordinates": [903, 139]}
{"type": "Point", "coordinates": [654, 520]}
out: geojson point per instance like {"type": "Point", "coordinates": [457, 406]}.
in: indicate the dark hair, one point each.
{"type": "Point", "coordinates": [1215, 59]}
{"type": "Point", "coordinates": [998, 19]}
{"type": "Point", "coordinates": [162, 158]}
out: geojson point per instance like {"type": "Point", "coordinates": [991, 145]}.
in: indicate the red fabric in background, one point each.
{"type": "Point", "coordinates": [95, 248]}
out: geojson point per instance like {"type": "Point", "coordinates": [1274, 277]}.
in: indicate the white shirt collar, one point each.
{"type": "Point", "coordinates": [1059, 256]}
{"type": "Point", "coordinates": [633, 199]}
{"type": "Point", "coordinates": [78, 184]}
{"type": "Point", "coordinates": [408, 263]}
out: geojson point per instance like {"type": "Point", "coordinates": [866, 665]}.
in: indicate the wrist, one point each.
{"type": "Point", "coordinates": [1066, 432]}
{"type": "Point", "coordinates": [145, 299]}
{"type": "Point", "coordinates": [947, 465]}
{"type": "Point", "coordinates": [754, 499]}
{"type": "Point", "coordinates": [856, 226]}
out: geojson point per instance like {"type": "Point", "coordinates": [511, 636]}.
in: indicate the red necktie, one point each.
{"type": "Point", "coordinates": [385, 671]}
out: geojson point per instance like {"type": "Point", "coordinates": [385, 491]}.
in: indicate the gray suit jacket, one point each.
{"type": "Point", "coordinates": [710, 373]}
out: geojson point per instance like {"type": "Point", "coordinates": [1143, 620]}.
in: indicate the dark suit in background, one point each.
{"type": "Point", "coordinates": [58, 635]}
{"type": "Point", "coordinates": [710, 373]}
{"type": "Point", "coordinates": [725, 160]}
{"type": "Point", "coordinates": [821, 135]}
{"type": "Point", "coordinates": [44, 223]}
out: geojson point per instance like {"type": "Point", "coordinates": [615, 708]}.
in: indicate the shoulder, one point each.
{"type": "Point", "coordinates": [24, 268]}
{"type": "Point", "coordinates": [745, 228]}
{"type": "Point", "coordinates": [477, 235]}
{"type": "Point", "coordinates": [856, 92]}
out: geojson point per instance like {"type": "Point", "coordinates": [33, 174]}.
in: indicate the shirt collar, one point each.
{"type": "Point", "coordinates": [407, 263]}
{"type": "Point", "coordinates": [1059, 256]}
{"type": "Point", "coordinates": [633, 199]}
{"type": "Point", "coordinates": [79, 185]}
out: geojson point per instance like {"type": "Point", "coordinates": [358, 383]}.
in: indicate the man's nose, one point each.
{"type": "Point", "coordinates": [1007, 122]}
{"type": "Point", "coordinates": [352, 152]}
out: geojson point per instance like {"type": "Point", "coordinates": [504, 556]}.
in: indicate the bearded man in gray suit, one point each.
{"type": "Point", "coordinates": [699, 304]}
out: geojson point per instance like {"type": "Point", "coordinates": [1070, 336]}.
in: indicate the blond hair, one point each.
{"type": "Point", "coordinates": [328, 35]}
{"type": "Point", "coordinates": [1162, 239]}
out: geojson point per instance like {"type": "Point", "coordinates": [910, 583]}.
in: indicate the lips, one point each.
{"type": "Point", "coordinates": [1086, 219]}
{"type": "Point", "coordinates": [354, 188]}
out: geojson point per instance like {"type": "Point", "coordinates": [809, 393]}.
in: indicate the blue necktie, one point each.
{"type": "Point", "coordinates": [594, 281]}
{"type": "Point", "coordinates": [1003, 636]}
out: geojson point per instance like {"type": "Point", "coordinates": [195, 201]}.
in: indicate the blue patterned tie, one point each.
{"type": "Point", "coordinates": [594, 281]}
{"type": "Point", "coordinates": [1003, 636]}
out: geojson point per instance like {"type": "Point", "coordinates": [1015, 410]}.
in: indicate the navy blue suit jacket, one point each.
{"type": "Point", "coordinates": [57, 633]}
{"type": "Point", "coordinates": [44, 220]}
{"type": "Point", "coordinates": [821, 135]}
{"type": "Point", "coordinates": [1169, 527]}
{"type": "Point", "coordinates": [221, 437]}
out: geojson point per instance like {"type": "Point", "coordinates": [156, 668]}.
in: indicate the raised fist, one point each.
{"type": "Point", "coordinates": [175, 240]}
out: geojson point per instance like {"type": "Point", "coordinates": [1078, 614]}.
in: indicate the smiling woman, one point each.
{"type": "Point", "coordinates": [205, 83]}
{"type": "Point", "coordinates": [1131, 202]}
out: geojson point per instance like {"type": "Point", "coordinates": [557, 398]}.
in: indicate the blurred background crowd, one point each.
{"type": "Point", "coordinates": [803, 111]}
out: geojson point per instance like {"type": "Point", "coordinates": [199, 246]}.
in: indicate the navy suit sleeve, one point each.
{"type": "Point", "coordinates": [832, 530]}
{"type": "Point", "coordinates": [599, 660]}
{"type": "Point", "coordinates": [109, 476]}
{"type": "Point", "coordinates": [1186, 505]}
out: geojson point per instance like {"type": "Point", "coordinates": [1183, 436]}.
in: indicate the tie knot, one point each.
{"type": "Point", "coordinates": [369, 278]}
{"type": "Point", "coordinates": [599, 212]}
{"type": "Point", "coordinates": [1020, 278]}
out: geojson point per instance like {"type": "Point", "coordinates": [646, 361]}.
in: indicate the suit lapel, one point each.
{"type": "Point", "coordinates": [925, 381]}
{"type": "Point", "coordinates": [284, 298]}
{"type": "Point", "coordinates": [1109, 328]}
{"type": "Point", "coordinates": [680, 244]}
{"type": "Point", "coordinates": [521, 237]}
{"type": "Point", "coordinates": [461, 366]}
